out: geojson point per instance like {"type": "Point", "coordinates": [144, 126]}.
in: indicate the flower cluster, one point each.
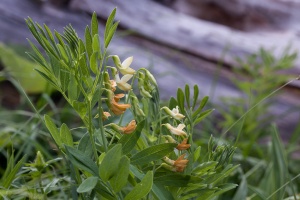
{"type": "Point", "coordinates": [180, 164]}
{"type": "Point", "coordinates": [113, 99]}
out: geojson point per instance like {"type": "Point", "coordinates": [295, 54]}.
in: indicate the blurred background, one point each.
{"type": "Point", "coordinates": [238, 52]}
{"type": "Point", "coordinates": [241, 53]}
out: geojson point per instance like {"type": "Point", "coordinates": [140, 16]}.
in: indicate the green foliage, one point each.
{"type": "Point", "coordinates": [22, 69]}
{"type": "Point", "coordinates": [153, 156]}
{"type": "Point", "coordinates": [265, 172]}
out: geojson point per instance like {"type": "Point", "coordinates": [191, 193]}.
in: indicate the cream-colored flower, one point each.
{"type": "Point", "coordinates": [122, 83]}
{"type": "Point", "coordinates": [176, 131]}
{"type": "Point", "coordinates": [124, 67]}
{"type": "Point", "coordinates": [174, 113]}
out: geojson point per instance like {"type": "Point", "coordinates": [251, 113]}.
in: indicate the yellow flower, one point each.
{"type": "Point", "coordinates": [129, 128]}
{"type": "Point", "coordinates": [122, 83]}
{"type": "Point", "coordinates": [174, 113]}
{"type": "Point", "coordinates": [176, 131]}
{"type": "Point", "coordinates": [124, 67]}
{"type": "Point", "coordinates": [118, 109]}
{"type": "Point", "coordinates": [183, 145]}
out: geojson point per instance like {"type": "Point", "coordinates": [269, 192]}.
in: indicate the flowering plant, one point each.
{"type": "Point", "coordinates": [153, 155]}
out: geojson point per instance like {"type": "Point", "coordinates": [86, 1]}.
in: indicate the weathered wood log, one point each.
{"type": "Point", "coordinates": [251, 15]}
{"type": "Point", "coordinates": [204, 39]}
{"type": "Point", "coordinates": [172, 67]}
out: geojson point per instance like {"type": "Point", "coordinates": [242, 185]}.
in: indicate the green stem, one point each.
{"type": "Point", "coordinates": [102, 127]}
{"type": "Point", "coordinates": [91, 130]}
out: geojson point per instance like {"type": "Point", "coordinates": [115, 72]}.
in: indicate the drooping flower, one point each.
{"type": "Point", "coordinates": [129, 128]}
{"type": "Point", "coordinates": [181, 163]}
{"type": "Point", "coordinates": [176, 131]}
{"type": "Point", "coordinates": [175, 165]}
{"type": "Point", "coordinates": [117, 108]}
{"type": "Point", "coordinates": [113, 84]}
{"type": "Point", "coordinates": [105, 115]}
{"type": "Point", "coordinates": [124, 67]}
{"type": "Point", "coordinates": [122, 83]}
{"type": "Point", "coordinates": [174, 113]}
{"type": "Point", "coordinates": [117, 97]}
{"type": "Point", "coordinates": [183, 145]}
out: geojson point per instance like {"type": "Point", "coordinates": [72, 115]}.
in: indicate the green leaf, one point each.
{"type": "Point", "coordinates": [96, 44]}
{"type": "Point", "coordinates": [53, 130]}
{"type": "Point", "coordinates": [109, 22]}
{"type": "Point", "coordinates": [94, 24]}
{"type": "Point", "coordinates": [129, 141]}
{"type": "Point", "coordinates": [152, 153]}
{"type": "Point", "coordinates": [142, 188]}
{"type": "Point", "coordinates": [111, 34]}
{"type": "Point", "coordinates": [187, 95]}
{"type": "Point", "coordinates": [180, 100]}
{"type": "Point", "coordinates": [73, 91]}
{"type": "Point", "coordinates": [79, 159]}
{"type": "Point", "coordinates": [9, 177]}
{"type": "Point", "coordinates": [63, 53]}
{"type": "Point", "coordinates": [60, 40]}
{"type": "Point", "coordinates": [119, 180]}
{"type": "Point", "coordinates": [83, 67]}
{"type": "Point", "coordinates": [242, 190]}
{"type": "Point", "coordinates": [88, 42]}
{"type": "Point", "coordinates": [280, 169]}
{"type": "Point", "coordinates": [88, 184]}
{"type": "Point", "coordinates": [46, 77]}
{"type": "Point", "coordinates": [23, 69]}
{"type": "Point", "coordinates": [55, 65]}
{"type": "Point", "coordinates": [172, 103]}
{"type": "Point", "coordinates": [65, 135]}
{"type": "Point", "coordinates": [51, 38]}
{"type": "Point", "coordinates": [64, 77]}
{"type": "Point", "coordinates": [197, 153]}
{"type": "Point", "coordinates": [110, 162]}
{"type": "Point", "coordinates": [159, 191]}
{"type": "Point", "coordinates": [102, 190]}
{"type": "Point", "coordinates": [85, 145]}
{"type": "Point", "coordinates": [176, 180]}
{"type": "Point", "coordinates": [202, 104]}
{"type": "Point", "coordinates": [195, 96]}
{"type": "Point", "coordinates": [222, 189]}
{"type": "Point", "coordinates": [204, 167]}
{"type": "Point", "coordinates": [202, 116]}
{"type": "Point", "coordinates": [40, 57]}
{"type": "Point", "coordinates": [80, 107]}
{"type": "Point", "coordinates": [94, 62]}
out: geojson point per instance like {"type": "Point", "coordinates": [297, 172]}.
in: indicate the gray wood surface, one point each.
{"type": "Point", "coordinates": [187, 56]}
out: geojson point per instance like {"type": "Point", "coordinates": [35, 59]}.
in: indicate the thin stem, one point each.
{"type": "Point", "coordinates": [102, 128]}
{"type": "Point", "coordinates": [91, 130]}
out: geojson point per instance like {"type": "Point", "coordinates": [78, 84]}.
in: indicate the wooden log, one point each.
{"type": "Point", "coordinates": [204, 39]}
{"type": "Point", "coordinates": [172, 67]}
